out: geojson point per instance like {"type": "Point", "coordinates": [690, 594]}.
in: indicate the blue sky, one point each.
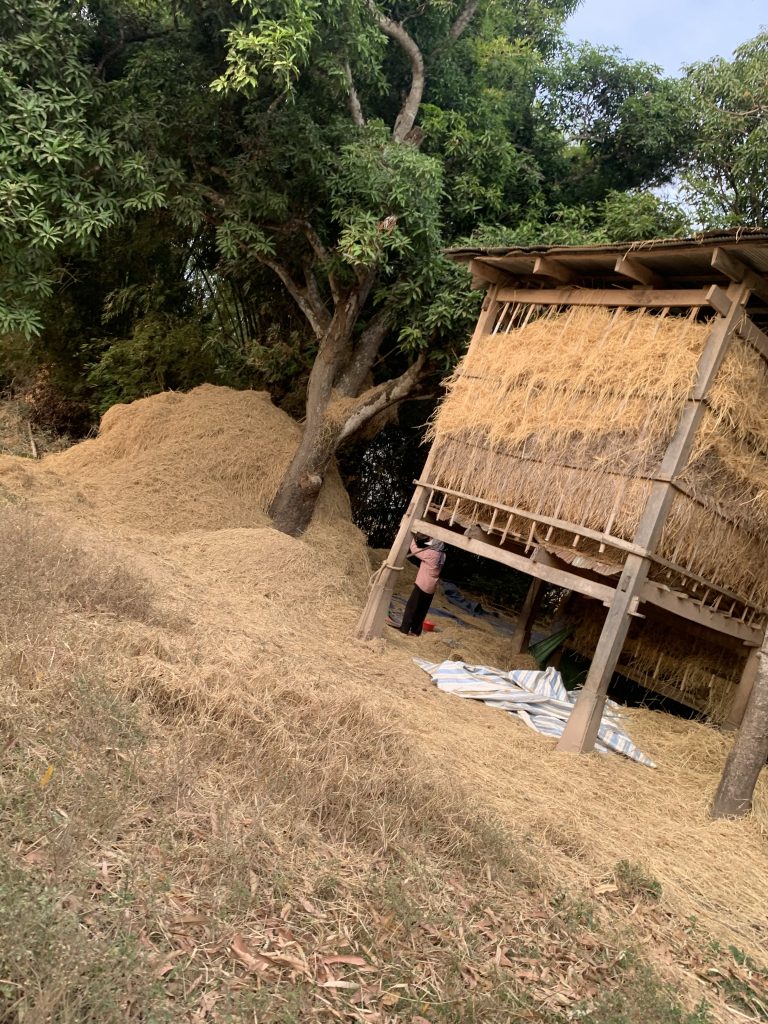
{"type": "Point", "coordinates": [669, 32]}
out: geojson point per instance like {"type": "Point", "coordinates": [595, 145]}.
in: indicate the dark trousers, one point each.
{"type": "Point", "coordinates": [415, 611]}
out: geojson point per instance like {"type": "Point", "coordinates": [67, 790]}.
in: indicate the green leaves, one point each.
{"type": "Point", "coordinates": [727, 180]}
{"type": "Point", "coordinates": [275, 40]}
{"type": "Point", "coordinates": [386, 200]}
{"type": "Point", "coordinates": [72, 169]}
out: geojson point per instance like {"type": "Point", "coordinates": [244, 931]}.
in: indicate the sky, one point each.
{"type": "Point", "coordinates": [669, 32]}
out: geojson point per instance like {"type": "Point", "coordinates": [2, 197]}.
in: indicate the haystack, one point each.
{"type": "Point", "coordinates": [569, 414]}
{"type": "Point", "coordinates": [198, 471]}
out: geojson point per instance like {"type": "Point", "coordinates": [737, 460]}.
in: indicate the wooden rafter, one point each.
{"type": "Point", "coordinates": [631, 267]}
{"type": "Point", "coordinates": [545, 266]}
{"type": "Point", "coordinates": [736, 270]}
{"type": "Point", "coordinates": [614, 297]}
{"type": "Point", "coordinates": [485, 273]}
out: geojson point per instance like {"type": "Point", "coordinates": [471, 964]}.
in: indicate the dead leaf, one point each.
{"type": "Point", "coordinates": [311, 908]}
{"type": "Point", "coordinates": [253, 961]}
{"type": "Point", "coordinates": [353, 961]}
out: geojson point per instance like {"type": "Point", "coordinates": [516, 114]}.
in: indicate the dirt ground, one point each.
{"type": "Point", "coordinates": [247, 622]}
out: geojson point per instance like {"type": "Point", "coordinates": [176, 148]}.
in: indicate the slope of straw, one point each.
{"type": "Point", "coordinates": [278, 745]}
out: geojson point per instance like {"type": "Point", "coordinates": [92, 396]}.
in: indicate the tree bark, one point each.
{"type": "Point", "coordinates": [749, 752]}
{"type": "Point", "coordinates": [295, 501]}
{"type": "Point", "coordinates": [292, 507]}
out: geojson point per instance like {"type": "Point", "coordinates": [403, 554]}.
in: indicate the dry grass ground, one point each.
{"type": "Point", "coordinates": [216, 806]}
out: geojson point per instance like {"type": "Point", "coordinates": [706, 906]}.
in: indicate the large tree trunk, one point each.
{"type": "Point", "coordinates": [749, 752]}
{"type": "Point", "coordinates": [294, 503]}
{"type": "Point", "coordinates": [324, 431]}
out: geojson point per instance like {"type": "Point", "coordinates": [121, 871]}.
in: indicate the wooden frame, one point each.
{"type": "Point", "coordinates": [625, 595]}
{"type": "Point", "coordinates": [713, 296]}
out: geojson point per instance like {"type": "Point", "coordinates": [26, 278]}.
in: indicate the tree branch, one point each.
{"type": "Point", "coordinates": [316, 315]}
{"type": "Point", "coordinates": [410, 108]}
{"type": "Point", "coordinates": [315, 297]}
{"type": "Point", "coordinates": [463, 20]}
{"type": "Point", "coordinates": [319, 249]}
{"type": "Point", "coordinates": [355, 107]}
{"type": "Point", "coordinates": [365, 352]}
{"type": "Point", "coordinates": [376, 399]}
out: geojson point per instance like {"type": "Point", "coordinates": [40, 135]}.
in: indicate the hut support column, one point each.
{"type": "Point", "coordinates": [743, 690]}
{"type": "Point", "coordinates": [582, 728]}
{"type": "Point", "coordinates": [522, 635]}
{"type": "Point", "coordinates": [371, 622]}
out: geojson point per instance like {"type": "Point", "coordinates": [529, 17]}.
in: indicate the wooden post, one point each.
{"type": "Point", "coordinates": [371, 622]}
{"type": "Point", "coordinates": [581, 730]}
{"type": "Point", "coordinates": [743, 690]}
{"type": "Point", "coordinates": [522, 635]}
{"type": "Point", "coordinates": [749, 752]}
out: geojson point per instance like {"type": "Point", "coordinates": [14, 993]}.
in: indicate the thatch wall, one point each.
{"type": "Point", "coordinates": [569, 415]}
{"type": "Point", "coordinates": [694, 665]}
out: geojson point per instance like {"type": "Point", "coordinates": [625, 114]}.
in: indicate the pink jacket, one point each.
{"type": "Point", "coordinates": [429, 570]}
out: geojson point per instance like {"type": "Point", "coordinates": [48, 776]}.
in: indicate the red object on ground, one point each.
{"type": "Point", "coordinates": [428, 626]}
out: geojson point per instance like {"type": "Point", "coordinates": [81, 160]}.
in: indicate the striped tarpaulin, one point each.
{"type": "Point", "coordinates": [538, 698]}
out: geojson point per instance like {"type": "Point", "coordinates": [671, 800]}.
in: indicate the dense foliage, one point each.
{"type": "Point", "coordinates": [253, 192]}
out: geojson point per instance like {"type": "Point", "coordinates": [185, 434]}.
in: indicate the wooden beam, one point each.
{"type": "Point", "coordinates": [728, 264]}
{"type": "Point", "coordinates": [629, 267]}
{"type": "Point", "coordinates": [521, 638]}
{"type": "Point", "coordinates": [690, 609]}
{"type": "Point", "coordinates": [557, 524]}
{"type": "Point", "coordinates": [486, 274]}
{"type": "Point", "coordinates": [540, 569]}
{"type": "Point", "coordinates": [752, 334]}
{"type": "Point", "coordinates": [547, 267]}
{"type": "Point", "coordinates": [634, 297]}
{"type": "Point", "coordinates": [743, 690]}
{"type": "Point", "coordinates": [718, 299]}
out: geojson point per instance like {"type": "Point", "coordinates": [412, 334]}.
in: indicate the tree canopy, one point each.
{"type": "Point", "coordinates": [726, 182]}
{"type": "Point", "coordinates": [260, 191]}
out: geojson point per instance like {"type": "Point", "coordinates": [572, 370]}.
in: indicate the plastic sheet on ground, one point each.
{"type": "Point", "coordinates": [455, 596]}
{"type": "Point", "coordinates": [538, 698]}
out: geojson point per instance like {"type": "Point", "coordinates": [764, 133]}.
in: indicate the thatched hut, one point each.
{"type": "Point", "coordinates": [607, 431]}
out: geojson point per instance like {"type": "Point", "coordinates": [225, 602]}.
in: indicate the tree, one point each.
{"type": "Point", "coordinates": [341, 146]}
{"type": "Point", "coordinates": [749, 752]}
{"type": "Point", "coordinates": [74, 154]}
{"type": "Point", "coordinates": [727, 181]}
{"type": "Point", "coordinates": [625, 125]}
{"type": "Point", "coordinates": [342, 203]}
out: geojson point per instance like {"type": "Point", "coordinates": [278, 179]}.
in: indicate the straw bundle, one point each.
{"type": "Point", "coordinates": [569, 416]}
{"type": "Point", "coordinates": [690, 666]}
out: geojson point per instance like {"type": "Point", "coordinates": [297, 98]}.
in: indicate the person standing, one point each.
{"type": "Point", "coordinates": [431, 556]}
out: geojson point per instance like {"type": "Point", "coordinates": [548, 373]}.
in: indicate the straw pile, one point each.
{"type": "Point", "coordinates": [280, 779]}
{"type": "Point", "coordinates": [569, 416]}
